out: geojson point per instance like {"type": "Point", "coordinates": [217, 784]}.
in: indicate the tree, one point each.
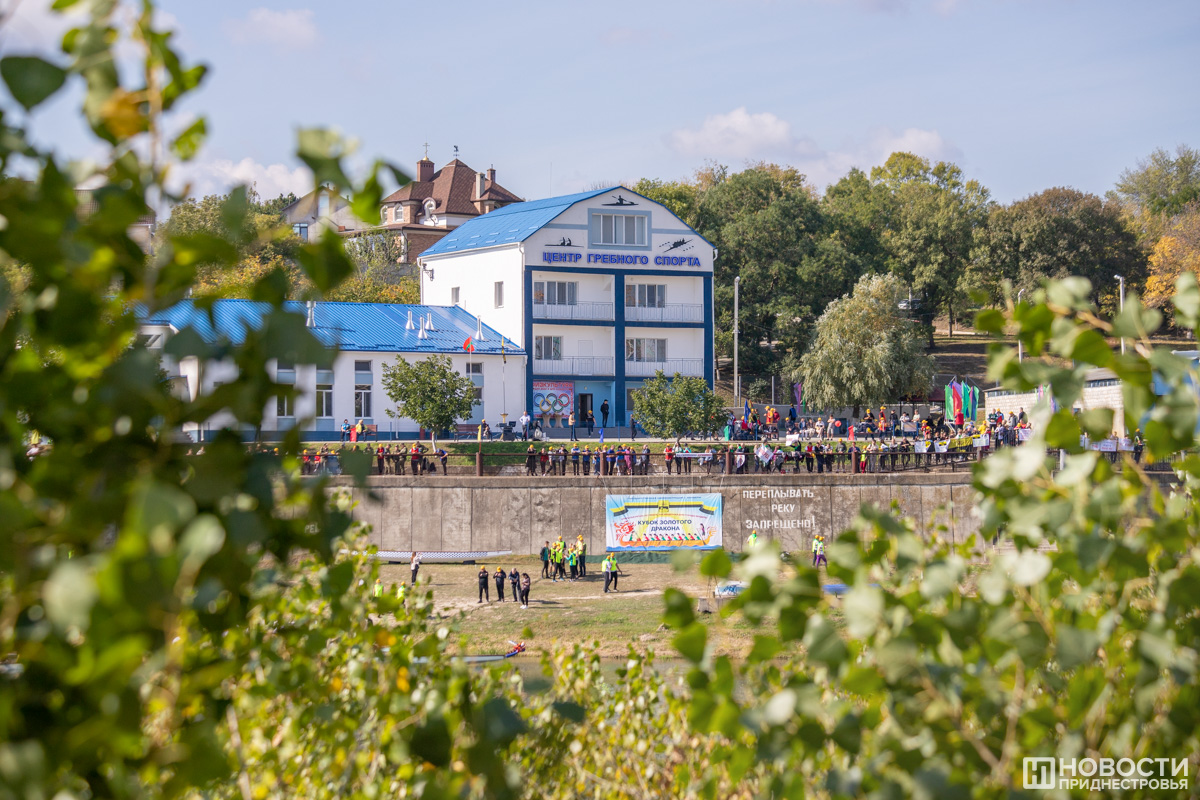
{"type": "Point", "coordinates": [680, 197]}
{"type": "Point", "coordinates": [428, 392]}
{"type": "Point", "coordinates": [1158, 188]}
{"type": "Point", "coordinates": [671, 408]}
{"type": "Point", "coordinates": [934, 213]}
{"type": "Point", "coordinates": [1056, 233]}
{"type": "Point", "coordinates": [865, 352]}
{"type": "Point", "coordinates": [1177, 252]}
{"type": "Point", "coordinates": [766, 223]}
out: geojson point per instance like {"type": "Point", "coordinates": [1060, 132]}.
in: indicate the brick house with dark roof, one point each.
{"type": "Point", "coordinates": [427, 208]}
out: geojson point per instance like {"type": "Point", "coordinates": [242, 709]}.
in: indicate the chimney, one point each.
{"type": "Point", "coordinates": [491, 174]}
{"type": "Point", "coordinates": [424, 170]}
{"type": "Point", "coordinates": [478, 185]}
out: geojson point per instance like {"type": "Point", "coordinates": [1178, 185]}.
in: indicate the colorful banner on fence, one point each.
{"type": "Point", "coordinates": [640, 522]}
{"type": "Point", "coordinates": [553, 397]}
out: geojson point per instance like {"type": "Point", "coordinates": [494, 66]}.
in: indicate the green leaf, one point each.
{"type": "Point", "coordinates": [432, 742]}
{"type": "Point", "coordinates": [30, 79]}
{"type": "Point", "coordinates": [691, 641]}
{"type": "Point", "coordinates": [765, 648]}
{"type": "Point", "coordinates": [863, 608]}
{"type": "Point", "coordinates": [716, 564]}
{"type": "Point", "coordinates": [1063, 430]}
{"type": "Point", "coordinates": [823, 642]}
{"type": "Point", "coordinates": [679, 612]}
{"type": "Point", "coordinates": [1097, 423]}
{"type": "Point", "coordinates": [1092, 348]}
{"type": "Point", "coordinates": [326, 262]}
{"type": "Point", "coordinates": [571, 711]}
{"type": "Point", "coordinates": [69, 595]}
{"type": "Point", "coordinates": [188, 143]}
{"type": "Point", "coordinates": [990, 321]}
{"type": "Point", "coordinates": [501, 724]}
{"type": "Point", "coordinates": [1075, 646]}
{"type": "Point", "coordinates": [1187, 300]}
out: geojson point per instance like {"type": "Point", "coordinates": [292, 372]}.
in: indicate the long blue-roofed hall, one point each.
{"type": "Point", "coordinates": [602, 289]}
{"type": "Point", "coordinates": [361, 338]}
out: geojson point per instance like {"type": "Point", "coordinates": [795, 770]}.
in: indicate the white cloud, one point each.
{"type": "Point", "coordinates": [740, 136]}
{"type": "Point", "coordinates": [220, 175]}
{"type": "Point", "coordinates": [294, 29]}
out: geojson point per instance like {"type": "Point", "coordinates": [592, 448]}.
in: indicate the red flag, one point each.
{"type": "Point", "coordinates": [468, 345]}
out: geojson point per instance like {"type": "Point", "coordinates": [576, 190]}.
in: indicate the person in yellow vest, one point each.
{"type": "Point", "coordinates": [378, 589]}
{"type": "Point", "coordinates": [613, 570]}
{"type": "Point", "coordinates": [401, 591]}
{"type": "Point", "coordinates": [752, 540]}
{"type": "Point", "coordinates": [819, 551]}
{"type": "Point", "coordinates": [607, 568]}
{"type": "Point", "coordinates": [581, 546]}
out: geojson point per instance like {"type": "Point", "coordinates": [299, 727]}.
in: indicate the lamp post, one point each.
{"type": "Point", "coordinates": [1019, 350]}
{"type": "Point", "coordinates": [737, 387]}
{"type": "Point", "coordinates": [1121, 281]}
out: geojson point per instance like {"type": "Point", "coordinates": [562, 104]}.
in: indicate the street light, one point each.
{"type": "Point", "coordinates": [1121, 280]}
{"type": "Point", "coordinates": [1019, 351]}
{"type": "Point", "coordinates": [737, 394]}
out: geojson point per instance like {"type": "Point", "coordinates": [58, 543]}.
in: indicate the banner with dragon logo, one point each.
{"type": "Point", "coordinates": [642, 522]}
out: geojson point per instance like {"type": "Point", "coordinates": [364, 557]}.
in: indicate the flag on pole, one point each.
{"type": "Point", "coordinates": [479, 434]}
{"type": "Point", "coordinates": [949, 406]}
{"type": "Point", "coordinates": [956, 393]}
{"type": "Point", "coordinates": [746, 410]}
{"type": "Point", "coordinates": [503, 354]}
{"type": "Point", "coordinates": [602, 436]}
{"type": "Point", "coordinates": [469, 345]}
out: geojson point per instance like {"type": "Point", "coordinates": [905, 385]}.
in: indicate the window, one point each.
{"type": "Point", "coordinates": [645, 349]}
{"type": "Point", "coordinates": [362, 400]}
{"type": "Point", "coordinates": [475, 368]}
{"type": "Point", "coordinates": [362, 389]}
{"type": "Point", "coordinates": [547, 348]}
{"type": "Point", "coordinates": [499, 289]}
{"type": "Point", "coordinates": [454, 295]}
{"type": "Point", "coordinates": [555, 293]}
{"type": "Point", "coordinates": [645, 295]}
{"type": "Point", "coordinates": [283, 407]}
{"type": "Point", "coordinates": [285, 371]}
{"type": "Point", "coordinates": [624, 229]}
{"type": "Point", "coordinates": [323, 205]}
{"type": "Point", "coordinates": [300, 229]}
{"type": "Point", "coordinates": [149, 340]}
{"type": "Point", "coordinates": [383, 215]}
{"type": "Point", "coordinates": [324, 399]}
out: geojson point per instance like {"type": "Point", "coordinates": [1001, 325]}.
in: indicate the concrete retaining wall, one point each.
{"type": "Point", "coordinates": [441, 513]}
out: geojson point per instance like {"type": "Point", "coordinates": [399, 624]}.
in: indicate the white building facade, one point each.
{"type": "Point", "coordinates": [601, 290]}
{"type": "Point", "coordinates": [363, 338]}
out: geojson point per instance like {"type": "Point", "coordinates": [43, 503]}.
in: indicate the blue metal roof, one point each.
{"type": "Point", "coordinates": [366, 327]}
{"type": "Point", "coordinates": [509, 224]}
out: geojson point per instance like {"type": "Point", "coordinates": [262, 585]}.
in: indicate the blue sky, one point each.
{"type": "Point", "coordinates": [1023, 94]}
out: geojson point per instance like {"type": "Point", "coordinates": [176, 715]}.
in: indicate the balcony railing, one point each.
{"type": "Point", "coordinates": [684, 366]}
{"type": "Point", "coordinates": [573, 366]}
{"type": "Point", "coordinates": [677, 312]}
{"type": "Point", "coordinates": [576, 311]}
